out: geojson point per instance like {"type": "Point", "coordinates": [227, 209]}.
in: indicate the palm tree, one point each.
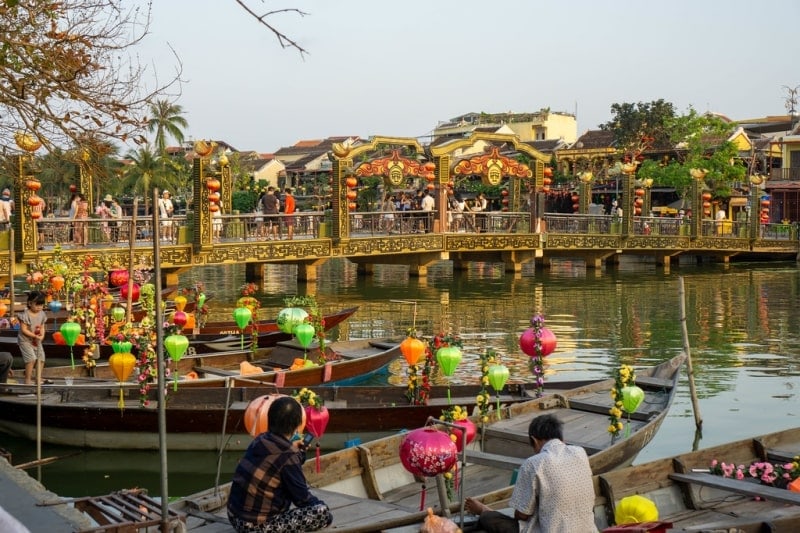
{"type": "Point", "coordinates": [166, 120]}
{"type": "Point", "coordinates": [139, 175]}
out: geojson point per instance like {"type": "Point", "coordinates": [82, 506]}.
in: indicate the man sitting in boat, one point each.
{"type": "Point", "coordinates": [554, 491]}
{"type": "Point", "coordinates": [269, 479]}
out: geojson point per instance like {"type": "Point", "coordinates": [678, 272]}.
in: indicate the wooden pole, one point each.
{"type": "Point", "coordinates": [698, 418]}
{"type": "Point", "coordinates": [131, 243]}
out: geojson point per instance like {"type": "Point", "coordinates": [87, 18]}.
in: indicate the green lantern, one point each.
{"type": "Point", "coordinates": [176, 346]}
{"type": "Point", "coordinates": [632, 398]}
{"type": "Point", "coordinates": [448, 358]}
{"type": "Point", "coordinates": [242, 316]}
{"type": "Point", "coordinates": [117, 313]}
{"type": "Point", "coordinates": [289, 318]}
{"type": "Point", "coordinates": [305, 334]}
{"type": "Point", "coordinates": [70, 331]}
{"type": "Point", "coordinates": [498, 375]}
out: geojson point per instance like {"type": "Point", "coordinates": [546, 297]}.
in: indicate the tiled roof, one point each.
{"type": "Point", "coordinates": [593, 139]}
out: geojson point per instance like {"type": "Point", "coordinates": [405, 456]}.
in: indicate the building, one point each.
{"type": "Point", "coordinates": [541, 125]}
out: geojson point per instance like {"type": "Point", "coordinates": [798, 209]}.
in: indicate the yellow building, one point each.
{"type": "Point", "coordinates": [540, 125]}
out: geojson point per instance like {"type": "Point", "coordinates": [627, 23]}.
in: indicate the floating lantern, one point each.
{"type": "Point", "coordinates": [134, 292]}
{"type": "Point", "coordinates": [242, 316]}
{"type": "Point", "coordinates": [176, 346]}
{"type": "Point", "coordinates": [289, 318]}
{"type": "Point", "coordinates": [70, 332]}
{"type": "Point", "coordinates": [121, 365]}
{"type": "Point", "coordinates": [180, 302]}
{"type": "Point", "coordinates": [527, 342]}
{"type": "Point", "coordinates": [428, 452]}
{"type": "Point", "coordinates": [118, 278]}
{"type": "Point", "coordinates": [412, 349]}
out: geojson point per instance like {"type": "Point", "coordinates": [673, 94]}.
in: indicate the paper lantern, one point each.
{"type": "Point", "coordinates": [213, 184]}
{"type": "Point", "coordinates": [428, 452]}
{"type": "Point", "coordinates": [55, 306]}
{"type": "Point", "coordinates": [632, 397]}
{"type": "Point", "coordinates": [289, 318]}
{"type": "Point", "coordinates": [214, 197]}
{"type": "Point", "coordinates": [180, 302]}
{"type": "Point", "coordinates": [73, 187]}
{"type": "Point", "coordinates": [448, 358]}
{"type": "Point", "coordinates": [471, 430]}
{"type": "Point", "coordinates": [706, 196]}
{"type": "Point", "coordinates": [36, 215]}
{"type": "Point", "coordinates": [176, 346]}
{"type": "Point", "coordinates": [352, 206]}
{"type": "Point", "coordinates": [429, 166]}
{"type": "Point", "coordinates": [527, 342]}
{"type": "Point", "coordinates": [121, 365]}
{"type": "Point", "coordinates": [242, 316]}
{"type": "Point", "coordinates": [412, 349]}
{"type": "Point", "coordinates": [639, 192]}
{"type": "Point", "coordinates": [3, 309]}
{"type": "Point", "coordinates": [57, 282]}
{"type": "Point", "coordinates": [352, 195]}
{"type": "Point", "coordinates": [70, 332]}
{"type": "Point", "coordinates": [305, 334]}
{"type": "Point", "coordinates": [108, 301]}
{"type": "Point", "coordinates": [255, 415]}
{"type": "Point", "coordinates": [118, 278]}
{"type": "Point", "coordinates": [179, 318]}
{"type": "Point", "coordinates": [201, 300]}
{"type": "Point", "coordinates": [117, 313]}
{"type": "Point", "coordinates": [635, 509]}
{"type": "Point", "coordinates": [190, 322]}
{"type": "Point", "coordinates": [213, 207]}
{"type": "Point", "coordinates": [33, 185]}
{"type": "Point", "coordinates": [548, 172]}
{"type": "Point", "coordinates": [351, 182]}
{"type": "Point", "coordinates": [123, 292]}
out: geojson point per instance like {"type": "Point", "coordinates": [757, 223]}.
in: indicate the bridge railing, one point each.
{"type": "Point", "coordinates": [260, 227]}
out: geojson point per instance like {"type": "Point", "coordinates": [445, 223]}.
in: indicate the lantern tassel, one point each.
{"type": "Point", "coordinates": [317, 459]}
{"type": "Point", "coordinates": [422, 498]}
{"type": "Point", "coordinates": [71, 358]}
{"type": "Point", "coordinates": [121, 402]}
{"type": "Point", "coordinates": [628, 427]}
{"type": "Point", "coordinates": [175, 382]}
{"type": "Point", "coordinates": [455, 476]}
{"type": "Point", "coordinates": [499, 415]}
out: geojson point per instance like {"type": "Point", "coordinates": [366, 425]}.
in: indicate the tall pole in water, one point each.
{"type": "Point", "coordinates": [162, 400]}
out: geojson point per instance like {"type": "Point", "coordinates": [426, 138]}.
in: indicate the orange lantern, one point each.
{"type": "Point", "coordinates": [35, 215]}
{"type": "Point", "coordinates": [107, 301]}
{"type": "Point", "coordinates": [547, 181]}
{"type": "Point", "coordinates": [638, 202]}
{"type": "Point", "coordinates": [706, 197]}
{"type": "Point", "coordinates": [352, 195]}
{"type": "Point", "coordinates": [764, 203]}
{"type": "Point", "coordinates": [351, 206]}
{"type": "Point", "coordinates": [3, 309]}
{"type": "Point", "coordinates": [430, 176]}
{"type": "Point", "coordinates": [548, 172]}
{"type": "Point", "coordinates": [57, 282]}
{"type": "Point", "coordinates": [430, 186]}
{"type": "Point", "coordinates": [190, 322]}
{"type": "Point", "coordinates": [430, 166]}
{"type": "Point", "coordinates": [639, 192]}
{"type": "Point", "coordinates": [637, 211]}
{"type": "Point", "coordinates": [351, 182]}
{"type": "Point", "coordinates": [213, 197]}
{"type": "Point", "coordinates": [212, 184]}
{"type": "Point", "coordinates": [213, 207]}
{"type": "Point", "coordinates": [707, 205]}
{"type": "Point", "coordinates": [255, 415]}
{"type": "Point", "coordinates": [33, 185]}
{"type": "Point", "coordinates": [34, 200]}
{"type": "Point", "coordinates": [412, 349]}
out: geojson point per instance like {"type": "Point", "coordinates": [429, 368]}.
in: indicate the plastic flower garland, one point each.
{"type": "Point", "coordinates": [623, 377]}
{"type": "Point", "coordinates": [308, 398]}
{"type": "Point", "coordinates": [536, 363]}
{"type": "Point", "coordinates": [764, 471]}
{"type": "Point", "coordinates": [484, 398]}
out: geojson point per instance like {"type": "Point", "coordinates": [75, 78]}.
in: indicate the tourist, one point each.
{"type": "Point", "coordinates": [554, 489]}
{"type": "Point", "coordinates": [104, 212]}
{"type": "Point", "coordinates": [269, 491]}
{"type": "Point", "coordinates": [387, 219]}
{"type": "Point", "coordinates": [216, 223]}
{"type": "Point", "coordinates": [6, 208]}
{"type": "Point", "coordinates": [272, 208]}
{"type": "Point", "coordinates": [427, 204]}
{"type": "Point", "coordinates": [31, 334]}
{"type": "Point", "coordinates": [289, 207]}
{"type": "Point", "coordinates": [6, 360]}
{"type": "Point", "coordinates": [165, 210]}
{"type": "Point", "coordinates": [80, 232]}
{"type": "Point", "coordinates": [116, 214]}
{"type": "Point", "coordinates": [259, 218]}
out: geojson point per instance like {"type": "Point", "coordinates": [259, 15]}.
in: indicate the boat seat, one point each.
{"type": "Point", "coordinates": [214, 371]}
{"type": "Point", "coordinates": [655, 383]}
{"type": "Point", "coordinates": [495, 460]}
{"type": "Point", "coordinates": [603, 409]}
{"type": "Point", "coordinates": [125, 510]}
{"type": "Point", "coordinates": [780, 456]}
{"type": "Point", "coordinates": [737, 486]}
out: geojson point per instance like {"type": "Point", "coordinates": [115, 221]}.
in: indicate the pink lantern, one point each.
{"type": "Point", "coordinates": [179, 318]}
{"type": "Point", "coordinates": [527, 342]}
{"type": "Point", "coordinates": [317, 420]}
{"type": "Point", "coordinates": [123, 292]}
{"type": "Point", "coordinates": [428, 452]}
{"type": "Point", "coordinates": [469, 427]}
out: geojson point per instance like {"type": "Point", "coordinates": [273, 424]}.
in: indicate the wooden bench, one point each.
{"type": "Point", "coordinates": [214, 371]}
{"type": "Point", "coordinates": [738, 486]}
{"type": "Point", "coordinates": [603, 410]}
{"type": "Point", "coordinates": [655, 383]}
{"type": "Point", "coordinates": [495, 460]}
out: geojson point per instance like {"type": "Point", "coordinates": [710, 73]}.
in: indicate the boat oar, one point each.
{"type": "Point", "coordinates": [44, 461]}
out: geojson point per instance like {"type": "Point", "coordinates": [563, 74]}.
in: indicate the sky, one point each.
{"type": "Point", "coordinates": [399, 68]}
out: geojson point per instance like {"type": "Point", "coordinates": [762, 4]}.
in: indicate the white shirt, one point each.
{"type": "Point", "coordinates": [427, 203]}
{"type": "Point", "coordinates": [555, 488]}
{"type": "Point", "coordinates": [165, 207]}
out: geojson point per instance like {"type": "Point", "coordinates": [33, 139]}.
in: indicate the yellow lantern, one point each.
{"type": "Point", "coordinates": [180, 302]}
{"type": "Point", "coordinates": [122, 365]}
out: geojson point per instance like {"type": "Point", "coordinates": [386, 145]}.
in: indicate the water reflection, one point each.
{"type": "Point", "coordinates": [744, 331]}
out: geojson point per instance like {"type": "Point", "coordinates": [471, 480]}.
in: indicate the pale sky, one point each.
{"type": "Point", "coordinates": [377, 67]}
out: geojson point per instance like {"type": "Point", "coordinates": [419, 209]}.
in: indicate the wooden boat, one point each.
{"type": "Point", "coordinates": [369, 489]}
{"type": "Point", "coordinates": [211, 339]}
{"type": "Point", "coordinates": [87, 414]}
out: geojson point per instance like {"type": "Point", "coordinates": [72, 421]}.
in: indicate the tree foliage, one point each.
{"type": "Point", "coordinates": [640, 127]}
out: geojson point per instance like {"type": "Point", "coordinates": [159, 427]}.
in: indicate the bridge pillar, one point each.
{"type": "Point", "coordinates": [170, 276]}
{"type": "Point", "coordinates": [663, 260]}
{"type": "Point", "coordinates": [418, 271]}
{"type": "Point", "coordinates": [365, 269]}
{"type": "Point", "coordinates": [308, 270]}
{"type": "Point", "coordinates": [514, 260]}
{"type": "Point", "coordinates": [254, 273]}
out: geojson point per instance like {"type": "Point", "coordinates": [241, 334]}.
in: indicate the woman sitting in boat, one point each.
{"type": "Point", "coordinates": [269, 479]}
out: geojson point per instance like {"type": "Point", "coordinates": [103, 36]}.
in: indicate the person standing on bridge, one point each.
{"type": "Point", "coordinates": [289, 207]}
{"type": "Point", "coordinates": [272, 208]}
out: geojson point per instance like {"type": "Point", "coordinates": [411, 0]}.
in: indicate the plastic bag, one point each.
{"type": "Point", "coordinates": [438, 524]}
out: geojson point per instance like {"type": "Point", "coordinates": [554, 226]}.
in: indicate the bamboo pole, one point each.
{"type": "Point", "coordinates": [698, 418]}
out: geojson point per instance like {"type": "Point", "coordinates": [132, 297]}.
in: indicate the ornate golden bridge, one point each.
{"type": "Point", "coordinates": [515, 236]}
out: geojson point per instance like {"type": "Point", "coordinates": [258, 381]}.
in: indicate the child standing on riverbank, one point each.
{"type": "Point", "coordinates": [31, 334]}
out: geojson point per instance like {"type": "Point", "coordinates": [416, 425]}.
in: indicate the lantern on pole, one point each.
{"type": "Point", "coordinates": [179, 318]}
{"type": "Point", "coordinates": [632, 397]}
{"type": "Point", "coordinates": [498, 375]}
{"type": "Point", "coordinates": [305, 334]}
{"type": "Point", "coordinates": [121, 365]}
{"type": "Point", "coordinates": [70, 332]}
{"type": "Point", "coordinates": [176, 346]}
{"type": "Point", "coordinates": [180, 302]}
{"type": "Point", "coordinates": [317, 418]}
{"type": "Point", "coordinates": [55, 307]}
{"type": "Point", "coordinates": [289, 318]}
{"type": "Point", "coordinates": [412, 349]}
{"type": "Point", "coordinates": [448, 358]}
{"type": "Point", "coordinates": [242, 316]}
{"type": "Point", "coordinates": [428, 452]}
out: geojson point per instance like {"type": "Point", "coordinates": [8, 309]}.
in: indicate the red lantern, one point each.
{"type": "Point", "coordinates": [548, 172]}
{"type": "Point", "coordinates": [504, 201]}
{"type": "Point", "coordinates": [213, 207]}
{"type": "Point", "coordinates": [764, 203]}
{"type": "Point", "coordinates": [213, 197]}
{"type": "Point", "coordinates": [706, 196]}
{"type": "Point", "coordinates": [123, 292]}
{"type": "Point", "coordinates": [527, 341]}
{"type": "Point", "coordinates": [351, 206]}
{"type": "Point", "coordinates": [352, 195]}
{"type": "Point", "coordinates": [73, 187]}
{"type": "Point", "coordinates": [638, 202]}
{"type": "Point", "coordinates": [179, 318]}
{"type": "Point", "coordinates": [117, 278]}
{"type": "Point", "coordinates": [470, 429]}
{"type": "Point", "coordinates": [505, 209]}
{"type": "Point", "coordinates": [428, 452]}
{"type": "Point", "coordinates": [576, 207]}
{"type": "Point", "coordinates": [430, 166]}
{"type": "Point", "coordinates": [317, 420]}
{"type": "Point", "coordinates": [412, 349]}
{"type": "Point", "coordinates": [351, 182]}
{"type": "Point", "coordinates": [212, 184]}
{"type": "Point", "coordinates": [637, 211]}
{"type": "Point", "coordinates": [504, 192]}
{"type": "Point", "coordinates": [33, 185]}
{"type": "Point", "coordinates": [430, 186]}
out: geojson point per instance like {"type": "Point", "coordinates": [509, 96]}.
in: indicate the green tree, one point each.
{"type": "Point", "coordinates": [639, 127]}
{"type": "Point", "coordinates": [166, 120]}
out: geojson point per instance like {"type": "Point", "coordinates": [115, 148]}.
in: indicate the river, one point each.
{"type": "Point", "coordinates": [742, 319]}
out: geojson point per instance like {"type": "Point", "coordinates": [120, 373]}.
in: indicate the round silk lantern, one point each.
{"type": "Point", "coordinates": [70, 332]}
{"type": "Point", "coordinates": [118, 278]}
{"type": "Point", "coordinates": [635, 509]}
{"type": "Point", "coordinates": [255, 415]}
{"type": "Point", "coordinates": [448, 358]}
{"type": "Point", "coordinates": [123, 292]}
{"type": "Point", "coordinates": [316, 422]}
{"type": "Point", "coordinates": [242, 316]}
{"type": "Point", "coordinates": [176, 346]}
{"type": "Point", "coordinates": [179, 318]}
{"type": "Point", "coordinates": [55, 306]}
{"type": "Point", "coordinates": [289, 318]}
{"type": "Point", "coordinates": [201, 300]}
{"type": "Point", "coordinates": [527, 342]}
{"type": "Point", "coordinates": [632, 397]}
{"type": "Point", "coordinates": [412, 349]}
{"type": "Point", "coordinates": [180, 302]}
{"type": "Point", "coordinates": [469, 428]}
{"type": "Point", "coordinates": [121, 365]}
{"type": "Point", "coordinates": [118, 314]}
{"type": "Point", "coordinates": [498, 375]}
{"type": "Point", "coordinates": [305, 334]}
{"type": "Point", "coordinates": [428, 452]}
{"type": "Point", "coordinates": [57, 282]}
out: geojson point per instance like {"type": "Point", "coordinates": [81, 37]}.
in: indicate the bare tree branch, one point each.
{"type": "Point", "coordinates": [283, 39]}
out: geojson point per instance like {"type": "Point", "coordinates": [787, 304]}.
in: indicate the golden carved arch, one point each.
{"type": "Point", "coordinates": [491, 167]}
{"type": "Point", "coordinates": [394, 168]}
